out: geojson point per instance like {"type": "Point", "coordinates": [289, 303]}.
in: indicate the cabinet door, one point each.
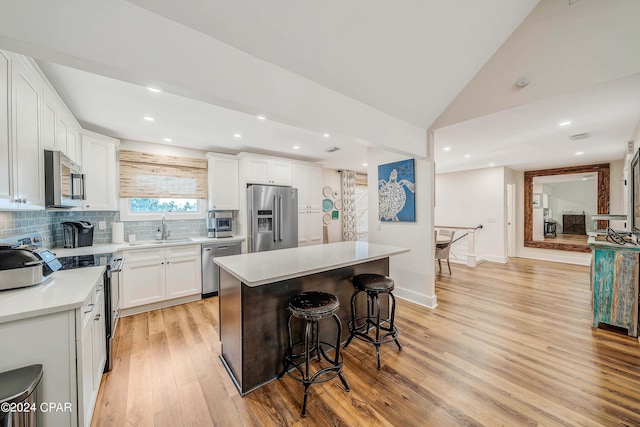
{"type": "Point", "coordinates": [280, 172]}
{"type": "Point", "coordinates": [223, 183]}
{"type": "Point", "coordinates": [142, 282]}
{"type": "Point", "coordinates": [303, 239]}
{"type": "Point", "coordinates": [300, 180]}
{"type": "Point", "coordinates": [29, 156]}
{"type": "Point", "coordinates": [99, 353]}
{"type": "Point", "coordinates": [85, 368]}
{"type": "Point", "coordinates": [61, 134]}
{"type": "Point", "coordinates": [183, 277]}
{"type": "Point", "coordinates": [7, 195]}
{"type": "Point", "coordinates": [256, 170]}
{"type": "Point", "coordinates": [73, 145]}
{"type": "Point", "coordinates": [314, 227]}
{"type": "Point", "coordinates": [49, 123]}
{"type": "Point", "coordinates": [99, 167]}
{"type": "Point", "coordinates": [314, 188]}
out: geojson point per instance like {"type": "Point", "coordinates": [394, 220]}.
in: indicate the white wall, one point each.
{"type": "Point", "coordinates": [413, 272]}
{"type": "Point", "coordinates": [331, 178]}
{"type": "Point", "coordinates": [471, 198]}
{"type": "Point", "coordinates": [619, 194]}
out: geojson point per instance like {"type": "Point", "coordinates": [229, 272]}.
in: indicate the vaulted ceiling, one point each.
{"type": "Point", "coordinates": [369, 73]}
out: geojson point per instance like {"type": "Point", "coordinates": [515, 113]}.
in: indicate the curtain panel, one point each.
{"type": "Point", "coordinates": [349, 220]}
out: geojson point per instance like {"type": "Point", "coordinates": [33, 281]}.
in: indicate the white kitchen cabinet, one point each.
{"type": "Point", "coordinates": [143, 277]}
{"type": "Point", "coordinates": [308, 180]}
{"type": "Point", "coordinates": [28, 156]}
{"type": "Point", "coordinates": [6, 166]}
{"type": "Point", "coordinates": [74, 149]}
{"type": "Point", "coordinates": [92, 355]}
{"type": "Point", "coordinates": [183, 271]}
{"type": "Point", "coordinates": [100, 166]}
{"type": "Point", "coordinates": [49, 117]}
{"type": "Point", "coordinates": [266, 170]}
{"type": "Point", "coordinates": [223, 186]}
{"type": "Point", "coordinates": [160, 274]}
{"type": "Point", "coordinates": [309, 227]}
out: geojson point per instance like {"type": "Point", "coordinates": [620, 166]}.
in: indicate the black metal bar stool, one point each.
{"type": "Point", "coordinates": [360, 326]}
{"type": "Point", "coordinates": [312, 307]}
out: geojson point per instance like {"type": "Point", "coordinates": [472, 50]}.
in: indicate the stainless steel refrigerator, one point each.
{"type": "Point", "coordinates": [272, 213]}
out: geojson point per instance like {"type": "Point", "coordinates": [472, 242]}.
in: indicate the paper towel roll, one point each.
{"type": "Point", "coordinates": [117, 232]}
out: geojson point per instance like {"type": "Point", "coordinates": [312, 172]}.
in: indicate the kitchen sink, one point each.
{"type": "Point", "coordinates": [159, 242]}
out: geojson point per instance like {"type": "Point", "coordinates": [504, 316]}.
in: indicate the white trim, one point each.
{"type": "Point", "coordinates": [126, 215]}
{"type": "Point", "coordinates": [414, 297]}
{"type": "Point", "coordinates": [578, 258]}
{"type": "Point", "coordinates": [495, 258]}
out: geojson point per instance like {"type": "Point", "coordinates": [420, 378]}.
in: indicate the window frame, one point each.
{"type": "Point", "coordinates": [127, 215]}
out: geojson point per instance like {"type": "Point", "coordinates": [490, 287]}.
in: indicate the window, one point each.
{"type": "Point", "coordinates": [152, 184]}
{"type": "Point", "coordinates": [163, 205]}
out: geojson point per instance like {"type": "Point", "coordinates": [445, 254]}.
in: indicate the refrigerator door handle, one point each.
{"type": "Point", "coordinates": [275, 218]}
{"type": "Point", "coordinates": [280, 218]}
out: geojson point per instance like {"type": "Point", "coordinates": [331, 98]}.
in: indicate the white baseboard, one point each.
{"type": "Point", "coordinates": [577, 258]}
{"type": "Point", "coordinates": [420, 299]}
{"type": "Point", "coordinates": [495, 258]}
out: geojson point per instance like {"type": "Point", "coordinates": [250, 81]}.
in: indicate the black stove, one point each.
{"type": "Point", "coordinates": [79, 261]}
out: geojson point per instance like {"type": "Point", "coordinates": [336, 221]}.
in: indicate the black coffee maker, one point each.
{"type": "Point", "coordinates": [77, 234]}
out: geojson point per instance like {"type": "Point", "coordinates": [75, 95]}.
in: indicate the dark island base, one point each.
{"type": "Point", "coordinates": [253, 320]}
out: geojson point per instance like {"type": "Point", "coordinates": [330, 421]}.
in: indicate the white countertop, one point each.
{"type": "Point", "coordinates": [141, 244]}
{"type": "Point", "coordinates": [259, 268]}
{"type": "Point", "coordinates": [66, 290]}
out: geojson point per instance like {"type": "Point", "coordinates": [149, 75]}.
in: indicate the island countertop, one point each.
{"type": "Point", "coordinates": [259, 268]}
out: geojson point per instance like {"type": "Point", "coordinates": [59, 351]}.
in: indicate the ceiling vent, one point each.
{"type": "Point", "coordinates": [332, 149]}
{"type": "Point", "coordinates": [579, 136]}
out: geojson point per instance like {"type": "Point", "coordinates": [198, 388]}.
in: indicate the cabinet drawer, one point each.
{"type": "Point", "coordinates": [86, 312]}
{"type": "Point", "coordinates": [153, 254]}
{"type": "Point", "coordinates": [188, 251]}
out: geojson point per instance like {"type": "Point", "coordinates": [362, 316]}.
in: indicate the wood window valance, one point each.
{"type": "Point", "coordinates": [158, 175]}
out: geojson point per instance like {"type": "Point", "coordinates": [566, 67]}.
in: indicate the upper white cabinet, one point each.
{"type": "Point", "coordinates": [308, 180]}
{"type": "Point", "coordinates": [223, 186]}
{"type": "Point", "coordinates": [266, 170]}
{"type": "Point", "coordinates": [6, 166]}
{"type": "Point", "coordinates": [100, 167]}
{"type": "Point", "coordinates": [60, 130]}
{"type": "Point", "coordinates": [21, 154]}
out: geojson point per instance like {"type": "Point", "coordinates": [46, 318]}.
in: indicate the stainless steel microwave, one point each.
{"type": "Point", "coordinates": [64, 182]}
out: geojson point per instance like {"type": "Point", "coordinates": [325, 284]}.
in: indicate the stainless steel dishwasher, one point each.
{"type": "Point", "coordinates": [210, 271]}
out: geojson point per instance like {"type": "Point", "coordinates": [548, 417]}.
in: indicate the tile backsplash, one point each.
{"type": "Point", "coordinates": [48, 223]}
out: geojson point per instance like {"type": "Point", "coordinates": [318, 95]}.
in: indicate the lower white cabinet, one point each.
{"type": "Point", "coordinates": [92, 355]}
{"type": "Point", "coordinates": [309, 227]}
{"type": "Point", "coordinates": [160, 274]}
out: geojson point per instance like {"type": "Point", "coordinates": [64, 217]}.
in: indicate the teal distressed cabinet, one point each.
{"type": "Point", "coordinates": [614, 285]}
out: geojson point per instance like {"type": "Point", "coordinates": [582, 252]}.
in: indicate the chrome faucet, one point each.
{"type": "Point", "coordinates": [165, 230]}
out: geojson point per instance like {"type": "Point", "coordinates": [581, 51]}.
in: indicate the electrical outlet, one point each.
{"type": "Point", "coordinates": [102, 225]}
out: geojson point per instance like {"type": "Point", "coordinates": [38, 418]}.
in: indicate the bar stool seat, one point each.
{"type": "Point", "coordinates": [360, 326]}
{"type": "Point", "coordinates": [312, 307]}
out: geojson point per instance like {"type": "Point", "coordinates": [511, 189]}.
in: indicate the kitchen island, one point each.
{"type": "Point", "coordinates": [256, 288]}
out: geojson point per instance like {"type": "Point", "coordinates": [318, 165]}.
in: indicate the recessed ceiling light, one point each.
{"type": "Point", "coordinates": [365, 165]}
{"type": "Point", "coordinates": [579, 153]}
{"type": "Point", "coordinates": [466, 156]}
{"type": "Point", "coordinates": [584, 179]}
{"type": "Point", "coordinates": [154, 89]}
{"type": "Point", "coordinates": [446, 149]}
{"type": "Point", "coordinates": [326, 135]}
{"type": "Point", "coordinates": [150, 119]}
{"type": "Point", "coordinates": [492, 164]}
{"type": "Point", "coordinates": [237, 135]}
{"type": "Point", "coordinates": [296, 147]}
{"type": "Point", "coordinates": [567, 123]}
{"type": "Point", "coordinates": [168, 140]}
{"type": "Point", "coordinates": [261, 117]}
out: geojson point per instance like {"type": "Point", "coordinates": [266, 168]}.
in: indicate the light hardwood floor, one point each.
{"type": "Point", "coordinates": [507, 345]}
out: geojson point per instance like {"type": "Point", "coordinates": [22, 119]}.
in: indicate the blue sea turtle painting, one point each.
{"type": "Point", "coordinates": [392, 197]}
